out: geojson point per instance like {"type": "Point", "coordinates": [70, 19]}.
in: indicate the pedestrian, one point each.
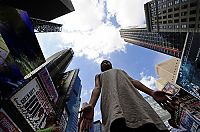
{"type": "Point", "coordinates": [123, 108]}
{"type": "Point", "coordinates": [52, 124]}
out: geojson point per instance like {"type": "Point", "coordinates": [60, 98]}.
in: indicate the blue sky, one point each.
{"type": "Point", "coordinates": [92, 31]}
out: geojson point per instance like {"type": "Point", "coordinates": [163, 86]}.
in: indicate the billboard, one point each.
{"type": "Point", "coordinates": [20, 52]}
{"type": "Point", "coordinates": [33, 104]}
{"type": "Point", "coordinates": [189, 71]}
{"type": "Point", "coordinates": [188, 122]}
{"type": "Point", "coordinates": [63, 121]}
{"type": "Point", "coordinates": [171, 88]}
{"type": "Point", "coordinates": [6, 124]}
{"type": "Point", "coordinates": [48, 84]}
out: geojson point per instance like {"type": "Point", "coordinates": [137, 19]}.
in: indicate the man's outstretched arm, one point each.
{"type": "Point", "coordinates": [96, 92]}
{"type": "Point", "coordinates": [142, 87]}
{"type": "Point", "coordinates": [87, 112]}
{"type": "Point", "coordinates": [159, 96]}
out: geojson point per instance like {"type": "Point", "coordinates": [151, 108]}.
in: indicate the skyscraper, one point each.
{"type": "Point", "coordinates": [169, 43]}
{"type": "Point", "coordinates": [172, 15]}
{"type": "Point", "coordinates": [163, 114]}
{"type": "Point", "coordinates": [73, 99]}
{"type": "Point", "coordinates": [167, 72]}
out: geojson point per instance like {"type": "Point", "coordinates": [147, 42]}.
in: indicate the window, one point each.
{"type": "Point", "coordinates": [183, 13]}
{"type": "Point", "coordinates": [170, 16]}
{"type": "Point", "coordinates": [169, 21]}
{"type": "Point", "coordinates": [193, 19]}
{"type": "Point", "coordinates": [170, 4]}
{"type": "Point", "coordinates": [176, 21]}
{"type": "Point", "coordinates": [164, 11]}
{"type": "Point", "coordinates": [164, 6]}
{"type": "Point", "coordinates": [177, 2]}
{"type": "Point", "coordinates": [184, 6]}
{"type": "Point", "coordinates": [192, 12]}
{"type": "Point", "coordinates": [192, 26]}
{"type": "Point", "coordinates": [183, 20]}
{"type": "Point", "coordinates": [170, 10]}
{"type": "Point", "coordinates": [176, 8]}
{"type": "Point", "coordinates": [193, 4]}
{"type": "Point", "coordinates": [184, 26]}
{"type": "Point", "coordinates": [176, 15]}
{"type": "Point", "coordinates": [164, 17]}
{"type": "Point", "coordinates": [164, 22]}
{"type": "Point", "coordinates": [176, 26]}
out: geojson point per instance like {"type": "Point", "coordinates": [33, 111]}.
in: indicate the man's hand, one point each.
{"type": "Point", "coordinates": [86, 119]}
{"type": "Point", "coordinates": [164, 101]}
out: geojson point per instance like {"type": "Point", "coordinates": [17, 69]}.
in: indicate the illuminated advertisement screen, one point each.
{"type": "Point", "coordinates": [171, 88]}
{"type": "Point", "coordinates": [6, 124]}
{"type": "Point", "coordinates": [188, 122]}
{"type": "Point", "coordinates": [189, 72]}
{"type": "Point", "coordinates": [18, 34]}
{"type": "Point", "coordinates": [20, 52]}
{"type": "Point", "coordinates": [46, 80]}
{"type": "Point", "coordinates": [33, 104]}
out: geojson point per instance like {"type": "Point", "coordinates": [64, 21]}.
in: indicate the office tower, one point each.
{"type": "Point", "coordinates": [189, 71]}
{"type": "Point", "coordinates": [97, 125]}
{"type": "Point", "coordinates": [57, 63]}
{"type": "Point", "coordinates": [73, 102]}
{"type": "Point", "coordinates": [167, 72]}
{"type": "Point", "coordinates": [163, 114]}
{"type": "Point", "coordinates": [69, 87]}
{"type": "Point", "coordinates": [44, 10]}
{"type": "Point", "coordinates": [172, 15]}
{"type": "Point", "coordinates": [169, 43]}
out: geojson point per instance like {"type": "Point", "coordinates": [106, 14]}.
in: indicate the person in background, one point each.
{"type": "Point", "coordinates": [123, 108]}
{"type": "Point", "coordinates": [52, 124]}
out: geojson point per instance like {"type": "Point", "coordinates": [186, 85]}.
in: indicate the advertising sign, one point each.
{"type": "Point", "coordinates": [63, 121]}
{"type": "Point", "coordinates": [48, 84]}
{"type": "Point", "coordinates": [33, 104]}
{"type": "Point", "coordinates": [189, 71]}
{"type": "Point", "coordinates": [171, 88]}
{"type": "Point", "coordinates": [189, 122]}
{"type": "Point", "coordinates": [20, 52]}
{"type": "Point", "coordinates": [6, 124]}
{"type": "Point", "coordinates": [17, 31]}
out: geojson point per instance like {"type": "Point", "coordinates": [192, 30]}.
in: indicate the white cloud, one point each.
{"type": "Point", "coordinates": [148, 81]}
{"type": "Point", "coordinates": [127, 12]}
{"type": "Point", "coordinates": [90, 32]}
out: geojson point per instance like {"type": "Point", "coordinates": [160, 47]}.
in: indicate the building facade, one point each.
{"type": "Point", "coordinates": [73, 102]}
{"type": "Point", "coordinates": [163, 114]}
{"type": "Point", "coordinates": [173, 15]}
{"type": "Point", "coordinates": [169, 43]}
{"type": "Point", "coordinates": [167, 72]}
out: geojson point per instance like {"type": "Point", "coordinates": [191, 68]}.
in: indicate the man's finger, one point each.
{"type": "Point", "coordinates": [169, 94]}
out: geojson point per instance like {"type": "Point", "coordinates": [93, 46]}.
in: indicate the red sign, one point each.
{"type": "Point", "coordinates": [6, 124]}
{"type": "Point", "coordinates": [48, 84]}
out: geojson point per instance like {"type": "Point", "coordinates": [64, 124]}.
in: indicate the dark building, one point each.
{"type": "Point", "coordinates": [189, 72]}
{"type": "Point", "coordinates": [170, 43]}
{"type": "Point", "coordinates": [45, 9]}
{"type": "Point", "coordinates": [163, 114]}
{"type": "Point", "coordinates": [57, 63]}
{"type": "Point", "coordinates": [173, 15]}
{"type": "Point", "coordinates": [69, 87]}
{"type": "Point", "coordinates": [73, 101]}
